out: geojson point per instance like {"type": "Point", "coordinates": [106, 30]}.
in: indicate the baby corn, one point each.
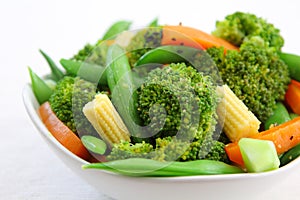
{"type": "Point", "coordinates": [106, 120]}
{"type": "Point", "coordinates": [238, 120]}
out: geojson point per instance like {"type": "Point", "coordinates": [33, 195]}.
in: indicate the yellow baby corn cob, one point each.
{"type": "Point", "coordinates": [238, 120]}
{"type": "Point", "coordinates": [106, 120]}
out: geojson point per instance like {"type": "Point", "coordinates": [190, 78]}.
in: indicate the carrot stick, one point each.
{"type": "Point", "coordinates": [183, 35]}
{"type": "Point", "coordinates": [62, 133]}
{"type": "Point", "coordinates": [284, 137]}
{"type": "Point", "coordinates": [292, 96]}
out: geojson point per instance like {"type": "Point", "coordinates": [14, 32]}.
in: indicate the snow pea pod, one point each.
{"type": "Point", "coordinates": [121, 84]}
{"type": "Point", "coordinates": [293, 63]}
{"type": "Point", "coordinates": [39, 87]}
{"type": "Point", "coordinates": [87, 71]}
{"type": "Point", "coordinates": [279, 116]}
{"type": "Point", "coordinates": [116, 28]}
{"type": "Point", "coordinates": [153, 168]}
{"type": "Point", "coordinates": [168, 54]}
{"type": "Point", "coordinates": [56, 73]}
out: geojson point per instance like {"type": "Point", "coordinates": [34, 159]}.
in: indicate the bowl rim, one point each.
{"type": "Point", "coordinates": [31, 106]}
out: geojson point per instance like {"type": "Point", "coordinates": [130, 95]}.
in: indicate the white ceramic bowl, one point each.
{"type": "Point", "coordinates": [232, 186]}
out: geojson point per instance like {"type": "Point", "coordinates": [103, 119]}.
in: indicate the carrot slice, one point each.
{"type": "Point", "coordinates": [292, 96]}
{"type": "Point", "coordinates": [62, 133]}
{"type": "Point", "coordinates": [284, 137]}
{"type": "Point", "coordinates": [183, 35]}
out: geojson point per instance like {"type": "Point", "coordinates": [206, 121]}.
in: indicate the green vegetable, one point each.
{"type": "Point", "coordinates": [143, 41]}
{"type": "Point", "coordinates": [116, 28]}
{"type": "Point", "coordinates": [154, 23]}
{"type": "Point", "coordinates": [94, 144]}
{"type": "Point", "coordinates": [87, 71]}
{"type": "Point", "coordinates": [56, 73]}
{"type": "Point", "coordinates": [255, 74]}
{"type": "Point", "coordinates": [169, 54]}
{"type": "Point", "coordinates": [293, 115]}
{"type": "Point", "coordinates": [41, 90]}
{"type": "Point", "coordinates": [240, 27]}
{"type": "Point", "coordinates": [279, 116]}
{"type": "Point", "coordinates": [120, 83]}
{"type": "Point", "coordinates": [67, 101]}
{"type": "Point", "coordinates": [293, 62]}
{"type": "Point", "coordinates": [152, 168]}
{"type": "Point", "coordinates": [170, 149]}
{"type": "Point", "coordinates": [290, 155]}
{"type": "Point", "coordinates": [171, 99]}
{"type": "Point", "coordinates": [259, 155]}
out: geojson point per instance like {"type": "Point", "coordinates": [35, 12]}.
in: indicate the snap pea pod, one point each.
{"type": "Point", "coordinates": [167, 54]}
{"type": "Point", "coordinates": [121, 84]}
{"type": "Point", "coordinates": [293, 115]}
{"type": "Point", "coordinates": [87, 71]}
{"type": "Point", "coordinates": [293, 62]}
{"type": "Point", "coordinates": [154, 22]}
{"type": "Point", "coordinates": [56, 73]}
{"type": "Point", "coordinates": [279, 116]}
{"type": "Point", "coordinates": [116, 28]}
{"type": "Point", "coordinates": [290, 155]}
{"type": "Point", "coordinates": [153, 168]}
{"type": "Point", "coordinates": [39, 87]}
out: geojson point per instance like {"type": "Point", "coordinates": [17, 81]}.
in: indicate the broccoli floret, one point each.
{"type": "Point", "coordinates": [67, 101]}
{"type": "Point", "coordinates": [255, 74]}
{"type": "Point", "coordinates": [126, 150]}
{"type": "Point", "coordinates": [143, 41]}
{"type": "Point", "coordinates": [239, 27]}
{"type": "Point", "coordinates": [171, 149]}
{"type": "Point", "coordinates": [94, 54]}
{"type": "Point", "coordinates": [178, 100]}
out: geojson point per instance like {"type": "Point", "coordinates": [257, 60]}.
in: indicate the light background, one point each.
{"type": "Point", "coordinates": [28, 169]}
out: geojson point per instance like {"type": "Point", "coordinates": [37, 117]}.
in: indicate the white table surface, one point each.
{"type": "Point", "coordinates": [28, 168]}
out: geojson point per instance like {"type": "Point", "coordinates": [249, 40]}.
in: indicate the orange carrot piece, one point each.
{"type": "Point", "coordinates": [284, 137]}
{"type": "Point", "coordinates": [62, 133]}
{"type": "Point", "coordinates": [187, 36]}
{"type": "Point", "coordinates": [292, 96]}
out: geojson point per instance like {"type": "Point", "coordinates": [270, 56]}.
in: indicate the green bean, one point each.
{"type": "Point", "coordinates": [56, 73]}
{"type": "Point", "coordinates": [293, 115]}
{"type": "Point", "coordinates": [116, 28]}
{"type": "Point", "coordinates": [290, 155]}
{"type": "Point", "coordinates": [89, 72]}
{"type": "Point", "coordinates": [293, 62]}
{"type": "Point", "coordinates": [279, 116]}
{"type": "Point", "coordinates": [39, 87]}
{"type": "Point", "coordinates": [148, 167]}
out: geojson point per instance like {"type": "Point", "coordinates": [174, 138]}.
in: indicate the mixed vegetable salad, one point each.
{"type": "Point", "coordinates": [172, 100]}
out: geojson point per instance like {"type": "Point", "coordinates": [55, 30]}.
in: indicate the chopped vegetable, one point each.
{"type": "Point", "coordinates": [41, 90]}
{"type": "Point", "coordinates": [116, 28]}
{"type": "Point", "coordinates": [148, 167]}
{"type": "Point", "coordinates": [292, 96]}
{"type": "Point", "coordinates": [238, 121]}
{"type": "Point", "coordinates": [255, 74]}
{"type": "Point", "coordinates": [239, 27]}
{"type": "Point", "coordinates": [284, 136]}
{"type": "Point", "coordinates": [188, 36]}
{"type": "Point", "coordinates": [290, 155]}
{"type": "Point", "coordinates": [279, 116]}
{"type": "Point", "coordinates": [62, 133]}
{"type": "Point", "coordinates": [67, 101]}
{"type": "Point", "coordinates": [106, 120]}
{"type": "Point", "coordinates": [94, 144]}
{"type": "Point", "coordinates": [258, 155]}
{"type": "Point", "coordinates": [293, 62]}
{"type": "Point", "coordinates": [56, 73]}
